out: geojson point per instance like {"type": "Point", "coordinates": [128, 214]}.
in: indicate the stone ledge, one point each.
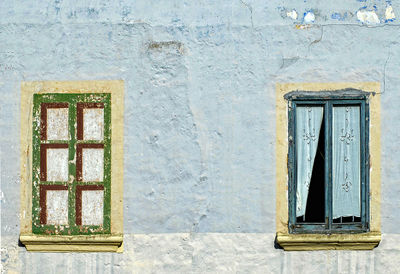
{"type": "Point", "coordinates": [81, 243]}
{"type": "Point", "coordinates": [362, 241]}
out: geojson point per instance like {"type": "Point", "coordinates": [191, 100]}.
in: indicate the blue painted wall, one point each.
{"type": "Point", "coordinates": [199, 119]}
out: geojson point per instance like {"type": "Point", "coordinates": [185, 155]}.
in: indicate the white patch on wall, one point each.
{"type": "Point", "coordinates": [57, 124]}
{"type": "Point", "coordinates": [92, 207]}
{"type": "Point", "coordinates": [309, 17]}
{"type": "Point", "coordinates": [292, 14]}
{"type": "Point", "coordinates": [93, 123]}
{"type": "Point", "coordinates": [57, 164]}
{"type": "Point", "coordinates": [92, 164]}
{"type": "Point", "coordinates": [389, 13]}
{"type": "Point", "coordinates": [57, 207]}
{"type": "Point", "coordinates": [367, 17]}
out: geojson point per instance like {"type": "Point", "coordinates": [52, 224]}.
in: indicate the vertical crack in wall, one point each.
{"type": "Point", "coordinates": [251, 11]}
{"type": "Point", "coordinates": [384, 68]}
{"type": "Point", "coordinates": [317, 40]}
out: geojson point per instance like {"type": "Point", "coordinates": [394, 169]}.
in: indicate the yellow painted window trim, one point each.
{"type": "Point", "coordinates": [80, 243]}
{"type": "Point", "coordinates": [296, 242]}
{"type": "Point", "coordinates": [359, 241]}
{"type": "Point", "coordinates": [84, 243]}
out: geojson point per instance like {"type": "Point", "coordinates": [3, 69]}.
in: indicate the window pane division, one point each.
{"type": "Point", "coordinates": [310, 164]}
{"type": "Point", "coordinates": [346, 166]}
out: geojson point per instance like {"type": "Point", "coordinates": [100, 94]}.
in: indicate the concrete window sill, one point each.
{"type": "Point", "coordinates": [297, 242]}
{"type": "Point", "coordinates": [91, 243]}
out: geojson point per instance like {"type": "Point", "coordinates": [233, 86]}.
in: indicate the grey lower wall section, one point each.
{"type": "Point", "coordinates": [208, 253]}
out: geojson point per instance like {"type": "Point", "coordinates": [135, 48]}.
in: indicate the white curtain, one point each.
{"type": "Point", "coordinates": [308, 126]}
{"type": "Point", "coordinates": [346, 161]}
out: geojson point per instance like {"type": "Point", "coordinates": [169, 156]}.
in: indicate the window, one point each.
{"type": "Point", "coordinates": [328, 158]}
{"type": "Point", "coordinates": [328, 144]}
{"type": "Point", "coordinates": [72, 194]}
{"type": "Point", "coordinates": [71, 163]}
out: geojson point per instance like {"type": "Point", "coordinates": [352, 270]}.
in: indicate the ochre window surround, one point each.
{"type": "Point", "coordinates": [331, 240]}
{"type": "Point", "coordinates": [63, 225]}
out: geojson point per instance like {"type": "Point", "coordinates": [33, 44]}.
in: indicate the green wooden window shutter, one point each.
{"type": "Point", "coordinates": [71, 165]}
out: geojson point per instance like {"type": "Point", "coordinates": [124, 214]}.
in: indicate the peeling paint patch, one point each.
{"type": "Point", "coordinates": [292, 14]}
{"type": "Point", "coordinates": [178, 46]}
{"type": "Point", "coordinates": [339, 16]}
{"type": "Point", "coordinates": [287, 62]}
{"type": "Point", "coordinates": [303, 26]}
{"type": "Point", "coordinates": [309, 17]}
{"type": "Point", "coordinates": [389, 14]}
{"type": "Point", "coordinates": [367, 17]}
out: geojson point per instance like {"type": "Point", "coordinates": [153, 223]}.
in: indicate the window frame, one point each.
{"type": "Point", "coordinates": [328, 102]}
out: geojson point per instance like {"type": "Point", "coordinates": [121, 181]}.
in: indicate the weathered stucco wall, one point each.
{"type": "Point", "coordinates": [199, 176]}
